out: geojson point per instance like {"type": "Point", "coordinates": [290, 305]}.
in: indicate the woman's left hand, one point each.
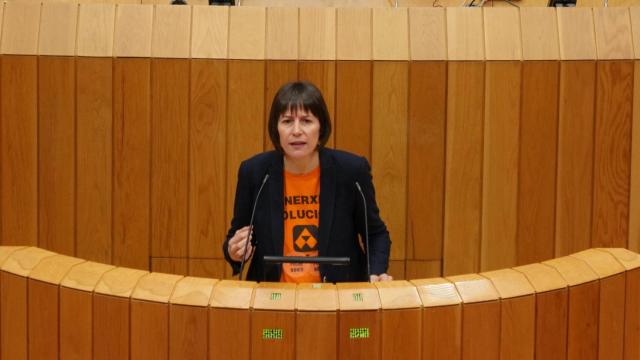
{"type": "Point", "coordinates": [381, 277]}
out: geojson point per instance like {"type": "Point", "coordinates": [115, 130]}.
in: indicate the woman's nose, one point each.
{"type": "Point", "coordinates": [296, 127]}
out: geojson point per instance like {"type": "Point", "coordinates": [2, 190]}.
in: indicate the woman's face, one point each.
{"type": "Point", "coordinates": [299, 132]}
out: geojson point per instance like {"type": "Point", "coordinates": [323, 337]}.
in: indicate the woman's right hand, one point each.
{"type": "Point", "coordinates": [237, 245]}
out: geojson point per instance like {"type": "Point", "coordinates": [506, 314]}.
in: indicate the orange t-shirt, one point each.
{"type": "Point", "coordinates": [301, 219]}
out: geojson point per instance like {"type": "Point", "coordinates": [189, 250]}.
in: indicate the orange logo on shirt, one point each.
{"type": "Point", "coordinates": [305, 238]}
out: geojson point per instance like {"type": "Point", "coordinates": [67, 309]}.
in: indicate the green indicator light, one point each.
{"type": "Point", "coordinates": [276, 296]}
{"type": "Point", "coordinates": [359, 333]}
{"type": "Point", "coordinates": [272, 334]}
{"type": "Point", "coordinates": [357, 297]}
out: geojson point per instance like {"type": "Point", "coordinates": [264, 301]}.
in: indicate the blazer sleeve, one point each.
{"type": "Point", "coordinates": [379, 241]}
{"type": "Point", "coordinates": [241, 213]}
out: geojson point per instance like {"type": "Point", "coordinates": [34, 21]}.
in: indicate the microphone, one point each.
{"type": "Point", "coordinates": [253, 212]}
{"type": "Point", "coordinates": [366, 231]}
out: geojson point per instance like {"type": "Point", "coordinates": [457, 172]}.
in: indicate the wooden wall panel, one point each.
{"type": "Point", "coordinates": [634, 198]}
{"type": "Point", "coordinates": [58, 26]}
{"type": "Point", "coordinates": [502, 33]}
{"type": "Point", "coordinates": [210, 268]}
{"type": "Point", "coordinates": [575, 156]}
{"type": "Point", "coordinates": [56, 154]}
{"type": "Point", "coordinates": [278, 73]}
{"type": "Point", "coordinates": [427, 33]}
{"type": "Point", "coordinates": [612, 148]}
{"type": "Point", "coordinates": [132, 34]}
{"type": "Point", "coordinates": [169, 157]}
{"type": "Point", "coordinates": [94, 150]}
{"type": "Point", "coordinates": [75, 324]}
{"type": "Point", "coordinates": [354, 39]}
{"type": "Point", "coordinates": [20, 28]}
{"type": "Point", "coordinates": [111, 327]}
{"type": "Point", "coordinates": [582, 326]}
{"type": "Point", "coordinates": [352, 121]}
{"type": "Point", "coordinates": [95, 30]}
{"type": "Point", "coordinates": [245, 129]}
{"type": "Point", "coordinates": [317, 33]}
{"type": "Point", "coordinates": [552, 311]}
{"type": "Point", "coordinates": [13, 312]}
{"type": "Point", "coordinates": [500, 172]}
{"type": "Point", "coordinates": [613, 33]}
{"type": "Point", "coordinates": [247, 27]}
{"type": "Point", "coordinates": [390, 30]}
{"type": "Point", "coordinates": [465, 34]}
{"type": "Point", "coordinates": [282, 33]}
{"type": "Point", "coordinates": [188, 335]}
{"type": "Point", "coordinates": [323, 75]}
{"type": "Point", "coordinates": [207, 156]}
{"type": "Point", "coordinates": [42, 320]}
{"type": "Point", "coordinates": [426, 159]}
{"type": "Point", "coordinates": [149, 330]}
{"type": "Point", "coordinates": [19, 150]}
{"type": "Point", "coordinates": [539, 33]}
{"type": "Point", "coordinates": [389, 148]}
{"type": "Point", "coordinates": [537, 162]}
{"type": "Point", "coordinates": [178, 266]}
{"type": "Point", "coordinates": [632, 315]}
{"type": "Point", "coordinates": [171, 34]}
{"type": "Point", "coordinates": [576, 34]}
{"type": "Point", "coordinates": [463, 173]}
{"type": "Point", "coordinates": [131, 161]}
{"type": "Point", "coordinates": [209, 32]}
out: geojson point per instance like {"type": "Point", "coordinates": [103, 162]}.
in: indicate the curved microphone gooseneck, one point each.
{"type": "Point", "coordinates": [253, 212]}
{"type": "Point", "coordinates": [366, 231]}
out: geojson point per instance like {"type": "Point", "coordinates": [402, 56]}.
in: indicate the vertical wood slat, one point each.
{"type": "Point", "coordinates": [481, 330]}
{"type": "Point", "coordinates": [264, 348]}
{"type": "Point", "coordinates": [21, 28]}
{"type": "Point", "coordinates": [225, 324]}
{"type": "Point", "coordinates": [576, 34]}
{"type": "Point", "coordinates": [131, 160]}
{"type": "Point", "coordinates": [551, 324]}
{"type": "Point", "coordinates": [442, 332]}
{"type": "Point", "coordinates": [389, 148]}
{"type": "Point", "coordinates": [133, 31]}
{"type": "Point", "coordinates": [42, 320]}
{"type": "Point", "coordinates": [582, 340]}
{"type": "Point", "coordinates": [278, 72]}
{"type": "Point", "coordinates": [95, 30]}
{"type": "Point", "coordinates": [13, 312]}
{"type": "Point", "coordinates": [94, 151]}
{"type": "Point", "coordinates": [502, 33]}
{"type": "Point", "coordinates": [245, 114]}
{"type": "Point", "coordinates": [171, 34]}
{"type": "Point", "coordinates": [463, 173]}
{"type": "Point", "coordinates": [56, 154]}
{"type": "Point", "coordinates": [612, 317]}
{"type": "Point", "coordinates": [465, 34]}
{"type": "Point", "coordinates": [282, 33]}
{"type": "Point", "coordinates": [500, 165]}
{"type": "Point", "coordinates": [179, 266]}
{"type": "Point", "coordinates": [19, 150]}
{"type": "Point", "coordinates": [111, 327]}
{"type": "Point", "coordinates": [426, 159]}
{"type": "Point", "coordinates": [427, 33]}
{"type": "Point", "coordinates": [323, 75]}
{"type": "Point", "coordinates": [352, 121]}
{"type": "Point", "coordinates": [75, 324]}
{"type": "Point", "coordinates": [58, 25]}
{"type": "Point", "coordinates": [210, 32]}
{"type": "Point", "coordinates": [207, 156]}
{"type": "Point", "coordinates": [354, 34]}
{"type": "Point", "coordinates": [317, 33]}
{"type": "Point", "coordinates": [363, 349]}
{"type": "Point", "coordinates": [188, 334]}
{"type": "Point", "coordinates": [539, 33]}
{"type": "Point", "coordinates": [149, 330]}
{"type": "Point", "coordinates": [575, 156]}
{"type": "Point", "coordinates": [612, 153]}
{"type": "Point", "coordinates": [169, 157]}
{"type": "Point", "coordinates": [247, 27]}
{"type": "Point", "coordinates": [613, 33]}
{"type": "Point", "coordinates": [390, 28]}
{"type": "Point", "coordinates": [537, 161]}
{"type": "Point", "coordinates": [634, 205]}
{"type": "Point", "coordinates": [632, 314]}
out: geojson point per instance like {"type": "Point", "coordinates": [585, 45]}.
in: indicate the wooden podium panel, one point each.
{"type": "Point", "coordinates": [76, 325]}
{"type": "Point", "coordinates": [43, 304]}
{"type": "Point", "coordinates": [441, 319]}
{"type": "Point", "coordinates": [111, 327]}
{"type": "Point", "coordinates": [273, 323]}
{"type": "Point", "coordinates": [149, 330]}
{"type": "Point", "coordinates": [359, 321]}
{"type": "Point", "coordinates": [13, 316]}
{"type": "Point", "coordinates": [316, 321]}
{"type": "Point", "coordinates": [18, 131]}
{"type": "Point", "coordinates": [401, 325]}
{"type": "Point", "coordinates": [230, 320]}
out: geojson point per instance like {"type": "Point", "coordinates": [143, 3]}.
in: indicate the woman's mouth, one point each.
{"type": "Point", "coordinates": [297, 144]}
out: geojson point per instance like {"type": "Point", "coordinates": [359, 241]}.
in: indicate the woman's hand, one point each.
{"type": "Point", "coordinates": [237, 244]}
{"type": "Point", "coordinates": [381, 277]}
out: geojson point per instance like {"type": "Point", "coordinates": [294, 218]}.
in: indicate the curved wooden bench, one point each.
{"type": "Point", "coordinates": [583, 306]}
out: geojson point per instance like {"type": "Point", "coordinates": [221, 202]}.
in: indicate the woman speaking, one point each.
{"type": "Point", "coordinates": [306, 200]}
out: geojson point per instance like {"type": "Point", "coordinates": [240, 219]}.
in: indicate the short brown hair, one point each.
{"type": "Point", "coordinates": [294, 96]}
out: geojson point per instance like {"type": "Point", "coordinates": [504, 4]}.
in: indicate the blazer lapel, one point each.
{"type": "Point", "coordinates": [327, 199]}
{"type": "Point", "coordinates": [276, 195]}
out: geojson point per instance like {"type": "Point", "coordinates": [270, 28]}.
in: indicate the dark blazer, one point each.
{"type": "Point", "coordinates": [341, 215]}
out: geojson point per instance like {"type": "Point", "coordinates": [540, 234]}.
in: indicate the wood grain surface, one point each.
{"type": "Point", "coordinates": [19, 150]}
{"type": "Point", "coordinates": [537, 162]}
{"type": "Point", "coordinates": [207, 155]}
{"type": "Point", "coordinates": [282, 33]}
{"type": "Point", "coordinates": [575, 156]}
{"type": "Point", "coordinates": [169, 157]}
{"type": "Point", "coordinates": [94, 158]}
{"type": "Point", "coordinates": [582, 325]}
{"type": "Point", "coordinates": [317, 33]}
{"type": "Point", "coordinates": [427, 33]}
{"type": "Point", "coordinates": [42, 320]}
{"type": "Point", "coordinates": [552, 309]}
{"type": "Point", "coordinates": [20, 28]}
{"type": "Point", "coordinates": [76, 324]}
{"type": "Point", "coordinates": [279, 348]}
{"type": "Point", "coordinates": [359, 348]}
{"type": "Point", "coordinates": [13, 312]}
{"type": "Point", "coordinates": [426, 160]}
{"type": "Point", "coordinates": [481, 330]}
{"type": "Point", "coordinates": [632, 315]}
{"type": "Point", "coordinates": [634, 199]}
{"type": "Point", "coordinates": [389, 148]}
{"type": "Point", "coordinates": [442, 332]}
{"type": "Point", "coordinates": [131, 162]}
{"type": "Point", "coordinates": [316, 335]}
{"type": "Point", "coordinates": [224, 327]}
{"type": "Point", "coordinates": [56, 154]}
{"type": "Point", "coordinates": [463, 172]}
{"type": "Point", "coordinates": [96, 24]}
{"type": "Point", "coordinates": [209, 32]}
{"type": "Point", "coordinates": [518, 327]}
{"type": "Point", "coordinates": [111, 327]}
{"type": "Point", "coordinates": [149, 330]}
{"type": "Point", "coordinates": [500, 164]}
{"type": "Point", "coordinates": [188, 332]}
{"type": "Point", "coordinates": [401, 334]}
{"type": "Point", "coordinates": [353, 33]}
{"type": "Point", "coordinates": [352, 120]}
{"type": "Point", "coordinates": [612, 148]}
{"type": "Point", "coordinates": [612, 317]}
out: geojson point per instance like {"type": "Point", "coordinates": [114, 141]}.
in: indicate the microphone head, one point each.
{"type": "Point", "coordinates": [358, 186]}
